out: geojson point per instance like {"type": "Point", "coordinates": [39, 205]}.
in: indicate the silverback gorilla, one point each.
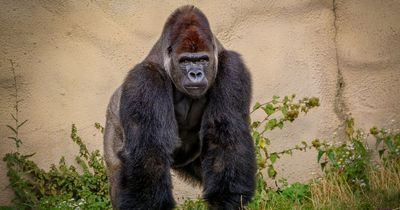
{"type": "Point", "coordinates": [185, 107]}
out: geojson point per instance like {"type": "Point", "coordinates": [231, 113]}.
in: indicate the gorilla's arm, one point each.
{"type": "Point", "coordinates": [228, 159]}
{"type": "Point", "coordinates": [113, 142]}
{"type": "Point", "coordinates": [150, 131]}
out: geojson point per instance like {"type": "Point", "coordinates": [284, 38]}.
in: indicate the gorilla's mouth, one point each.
{"type": "Point", "coordinates": [194, 87]}
{"type": "Point", "coordinates": [195, 90]}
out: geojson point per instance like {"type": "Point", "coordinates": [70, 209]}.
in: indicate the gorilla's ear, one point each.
{"type": "Point", "coordinates": [167, 60]}
{"type": "Point", "coordinates": [218, 48]}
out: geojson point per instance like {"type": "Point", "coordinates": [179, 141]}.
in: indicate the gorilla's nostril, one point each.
{"type": "Point", "coordinates": [196, 75]}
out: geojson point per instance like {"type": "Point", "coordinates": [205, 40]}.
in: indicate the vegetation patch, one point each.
{"type": "Point", "coordinates": [352, 178]}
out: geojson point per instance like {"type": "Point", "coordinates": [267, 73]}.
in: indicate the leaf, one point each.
{"type": "Point", "coordinates": [13, 138]}
{"type": "Point", "coordinates": [374, 130]}
{"type": "Point", "coordinates": [262, 143]}
{"type": "Point", "coordinates": [331, 156]}
{"type": "Point", "coordinates": [389, 143]}
{"type": "Point", "coordinates": [284, 109]}
{"type": "Point", "coordinates": [22, 123]}
{"type": "Point", "coordinates": [275, 99]}
{"type": "Point", "coordinates": [269, 109]}
{"type": "Point", "coordinates": [255, 124]}
{"type": "Point", "coordinates": [286, 99]}
{"type": "Point", "coordinates": [280, 124]}
{"type": "Point", "coordinates": [273, 157]}
{"type": "Point", "coordinates": [261, 163]}
{"type": "Point", "coordinates": [13, 129]}
{"type": "Point", "coordinates": [256, 137]}
{"type": "Point", "coordinates": [271, 171]}
{"type": "Point", "coordinates": [320, 153]}
{"type": "Point", "coordinates": [271, 124]}
{"type": "Point", "coordinates": [256, 106]}
{"type": "Point", "coordinates": [359, 147]}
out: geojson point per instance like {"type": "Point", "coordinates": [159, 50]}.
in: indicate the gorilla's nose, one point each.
{"type": "Point", "coordinates": [195, 75]}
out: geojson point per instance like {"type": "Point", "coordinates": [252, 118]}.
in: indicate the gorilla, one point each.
{"type": "Point", "coordinates": [184, 107]}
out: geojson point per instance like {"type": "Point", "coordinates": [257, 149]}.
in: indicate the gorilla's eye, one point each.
{"type": "Point", "coordinates": [184, 60]}
{"type": "Point", "coordinates": [195, 59]}
{"type": "Point", "coordinates": [203, 58]}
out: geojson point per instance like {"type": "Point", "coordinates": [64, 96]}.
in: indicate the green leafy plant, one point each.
{"type": "Point", "coordinates": [352, 179]}
{"type": "Point", "coordinates": [63, 186]}
{"type": "Point", "coordinates": [387, 143]}
{"type": "Point", "coordinates": [348, 159]}
{"type": "Point", "coordinates": [15, 116]}
{"type": "Point", "coordinates": [190, 204]}
{"type": "Point", "coordinates": [277, 112]}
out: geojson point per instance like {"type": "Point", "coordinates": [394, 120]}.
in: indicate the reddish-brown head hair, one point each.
{"type": "Point", "coordinates": [188, 30]}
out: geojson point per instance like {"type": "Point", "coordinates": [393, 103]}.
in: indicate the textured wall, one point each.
{"type": "Point", "coordinates": [70, 55]}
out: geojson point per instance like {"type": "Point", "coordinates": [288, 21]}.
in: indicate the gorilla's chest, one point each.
{"type": "Point", "coordinates": [188, 113]}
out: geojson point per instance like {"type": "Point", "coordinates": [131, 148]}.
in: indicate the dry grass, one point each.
{"type": "Point", "coordinates": [330, 192]}
{"type": "Point", "coordinates": [385, 186]}
{"type": "Point", "coordinates": [385, 178]}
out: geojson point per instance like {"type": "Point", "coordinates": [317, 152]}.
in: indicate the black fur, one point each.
{"type": "Point", "coordinates": [228, 156]}
{"type": "Point", "coordinates": [153, 131]}
{"type": "Point", "coordinates": [150, 130]}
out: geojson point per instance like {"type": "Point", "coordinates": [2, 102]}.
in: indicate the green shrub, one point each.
{"type": "Point", "coordinates": [62, 186]}
{"type": "Point", "coordinates": [348, 159]}
{"type": "Point", "coordinates": [277, 112]}
{"type": "Point", "coordinates": [351, 178]}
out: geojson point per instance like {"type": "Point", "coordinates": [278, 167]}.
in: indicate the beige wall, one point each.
{"type": "Point", "coordinates": [70, 55]}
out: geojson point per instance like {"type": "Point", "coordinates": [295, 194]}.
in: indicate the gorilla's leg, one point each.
{"type": "Point", "coordinates": [145, 179]}
{"type": "Point", "coordinates": [228, 172]}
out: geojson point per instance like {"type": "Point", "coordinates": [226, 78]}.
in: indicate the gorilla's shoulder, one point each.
{"type": "Point", "coordinates": [147, 72]}
{"type": "Point", "coordinates": [231, 65]}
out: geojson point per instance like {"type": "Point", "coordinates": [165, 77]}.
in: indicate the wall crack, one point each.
{"type": "Point", "coordinates": [340, 108]}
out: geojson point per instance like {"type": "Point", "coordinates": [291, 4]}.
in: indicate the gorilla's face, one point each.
{"type": "Point", "coordinates": [193, 72]}
{"type": "Point", "coordinates": [190, 56]}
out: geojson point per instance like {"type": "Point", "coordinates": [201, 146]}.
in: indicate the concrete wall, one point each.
{"type": "Point", "coordinates": [70, 55]}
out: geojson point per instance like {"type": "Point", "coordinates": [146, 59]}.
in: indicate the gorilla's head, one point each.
{"type": "Point", "coordinates": [190, 51]}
